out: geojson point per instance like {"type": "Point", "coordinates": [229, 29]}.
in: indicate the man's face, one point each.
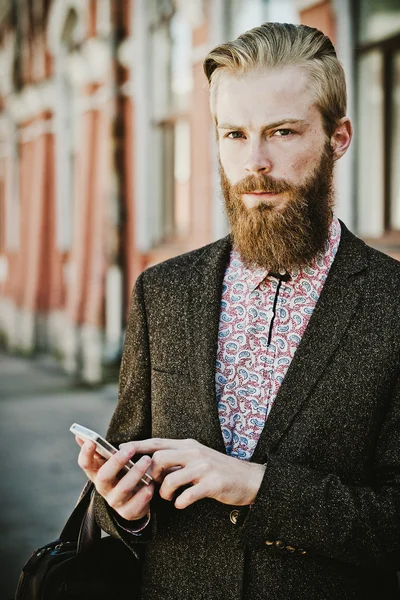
{"type": "Point", "coordinates": [276, 166]}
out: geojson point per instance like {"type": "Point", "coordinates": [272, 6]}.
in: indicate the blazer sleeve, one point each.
{"type": "Point", "coordinates": [316, 513]}
{"type": "Point", "coordinates": [132, 417]}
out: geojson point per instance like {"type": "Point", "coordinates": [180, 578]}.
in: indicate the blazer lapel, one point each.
{"type": "Point", "coordinates": [328, 324]}
{"type": "Point", "coordinates": [202, 321]}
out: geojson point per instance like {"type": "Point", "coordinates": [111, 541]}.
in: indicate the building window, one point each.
{"type": "Point", "coordinates": [378, 19]}
{"type": "Point", "coordinates": [395, 142]}
{"type": "Point", "coordinates": [378, 130]}
{"type": "Point", "coordinates": [65, 129]}
{"type": "Point", "coordinates": [172, 84]}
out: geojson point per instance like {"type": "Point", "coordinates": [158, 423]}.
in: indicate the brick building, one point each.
{"type": "Point", "coordinates": [108, 158]}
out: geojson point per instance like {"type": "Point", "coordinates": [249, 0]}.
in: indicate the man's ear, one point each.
{"type": "Point", "coordinates": [341, 138]}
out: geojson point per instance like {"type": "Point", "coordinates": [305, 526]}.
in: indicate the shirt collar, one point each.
{"type": "Point", "coordinates": [254, 276]}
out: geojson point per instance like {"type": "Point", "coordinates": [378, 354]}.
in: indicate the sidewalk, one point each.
{"type": "Point", "coordinates": [39, 475]}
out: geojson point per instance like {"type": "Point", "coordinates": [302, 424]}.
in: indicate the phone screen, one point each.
{"type": "Point", "coordinates": [103, 447]}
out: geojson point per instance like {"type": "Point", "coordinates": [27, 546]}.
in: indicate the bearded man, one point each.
{"type": "Point", "coordinates": [260, 377]}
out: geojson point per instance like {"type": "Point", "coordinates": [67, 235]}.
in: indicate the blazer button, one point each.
{"type": "Point", "coordinates": [290, 548]}
{"type": "Point", "coordinates": [234, 516]}
{"type": "Point", "coordinates": [301, 551]}
{"type": "Point", "coordinates": [279, 545]}
{"type": "Point", "coordinates": [269, 542]}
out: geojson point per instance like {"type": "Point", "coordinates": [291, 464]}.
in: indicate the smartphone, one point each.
{"type": "Point", "coordinates": [104, 448]}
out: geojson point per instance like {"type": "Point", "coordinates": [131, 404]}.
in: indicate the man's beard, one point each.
{"type": "Point", "coordinates": [281, 238]}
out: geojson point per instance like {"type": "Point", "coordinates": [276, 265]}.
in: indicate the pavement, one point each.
{"type": "Point", "coordinates": [39, 476]}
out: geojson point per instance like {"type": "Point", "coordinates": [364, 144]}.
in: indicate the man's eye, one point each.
{"type": "Point", "coordinates": [283, 132]}
{"type": "Point", "coordinates": [235, 135]}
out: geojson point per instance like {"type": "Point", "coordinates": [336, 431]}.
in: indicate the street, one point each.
{"type": "Point", "coordinates": [40, 478]}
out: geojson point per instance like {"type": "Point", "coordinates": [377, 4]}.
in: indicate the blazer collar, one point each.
{"type": "Point", "coordinates": [202, 322]}
{"type": "Point", "coordinates": [328, 324]}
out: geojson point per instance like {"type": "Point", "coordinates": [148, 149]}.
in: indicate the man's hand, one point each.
{"type": "Point", "coordinates": [126, 495]}
{"type": "Point", "coordinates": [211, 474]}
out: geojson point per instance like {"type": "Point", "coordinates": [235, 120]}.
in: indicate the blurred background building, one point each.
{"type": "Point", "coordinates": [108, 158]}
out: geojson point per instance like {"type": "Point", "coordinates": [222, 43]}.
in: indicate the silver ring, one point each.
{"type": "Point", "coordinates": [147, 479]}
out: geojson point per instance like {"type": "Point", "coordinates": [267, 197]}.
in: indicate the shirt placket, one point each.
{"type": "Point", "coordinates": [278, 352]}
{"type": "Point", "coordinates": [268, 351]}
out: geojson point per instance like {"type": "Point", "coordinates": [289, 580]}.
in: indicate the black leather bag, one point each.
{"type": "Point", "coordinates": [81, 564]}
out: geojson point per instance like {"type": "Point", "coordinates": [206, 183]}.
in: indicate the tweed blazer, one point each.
{"type": "Point", "coordinates": [326, 521]}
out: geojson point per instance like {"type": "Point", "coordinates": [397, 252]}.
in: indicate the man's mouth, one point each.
{"type": "Point", "coordinates": [262, 198]}
{"type": "Point", "coordinates": [261, 194]}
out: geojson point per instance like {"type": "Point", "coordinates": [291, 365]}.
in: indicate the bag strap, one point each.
{"type": "Point", "coordinates": [81, 526]}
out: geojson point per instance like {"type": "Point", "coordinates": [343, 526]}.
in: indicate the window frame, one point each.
{"type": "Point", "coordinates": [387, 47]}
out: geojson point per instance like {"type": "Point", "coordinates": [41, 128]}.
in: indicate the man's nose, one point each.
{"type": "Point", "coordinates": [258, 160]}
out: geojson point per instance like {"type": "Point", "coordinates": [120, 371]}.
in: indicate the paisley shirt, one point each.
{"type": "Point", "coordinates": [256, 346]}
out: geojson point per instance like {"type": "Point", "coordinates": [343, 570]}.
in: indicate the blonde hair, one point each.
{"type": "Point", "coordinates": [283, 44]}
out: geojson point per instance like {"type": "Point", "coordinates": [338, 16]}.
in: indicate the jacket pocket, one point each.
{"type": "Point", "coordinates": [167, 371]}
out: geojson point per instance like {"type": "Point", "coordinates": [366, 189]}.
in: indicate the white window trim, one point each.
{"type": "Point", "coordinates": [345, 169]}
{"type": "Point", "coordinates": [143, 161]}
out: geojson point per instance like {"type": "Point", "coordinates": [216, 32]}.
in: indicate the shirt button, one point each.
{"type": "Point", "coordinates": [279, 544]}
{"type": "Point", "coordinates": [234, 516]}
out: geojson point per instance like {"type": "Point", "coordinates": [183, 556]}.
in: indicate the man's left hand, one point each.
{"type": "Point", "coordinates": [210, 474]}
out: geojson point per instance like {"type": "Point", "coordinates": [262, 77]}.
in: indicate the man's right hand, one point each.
{"type": "Point", "coordinates": [126, 495]}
